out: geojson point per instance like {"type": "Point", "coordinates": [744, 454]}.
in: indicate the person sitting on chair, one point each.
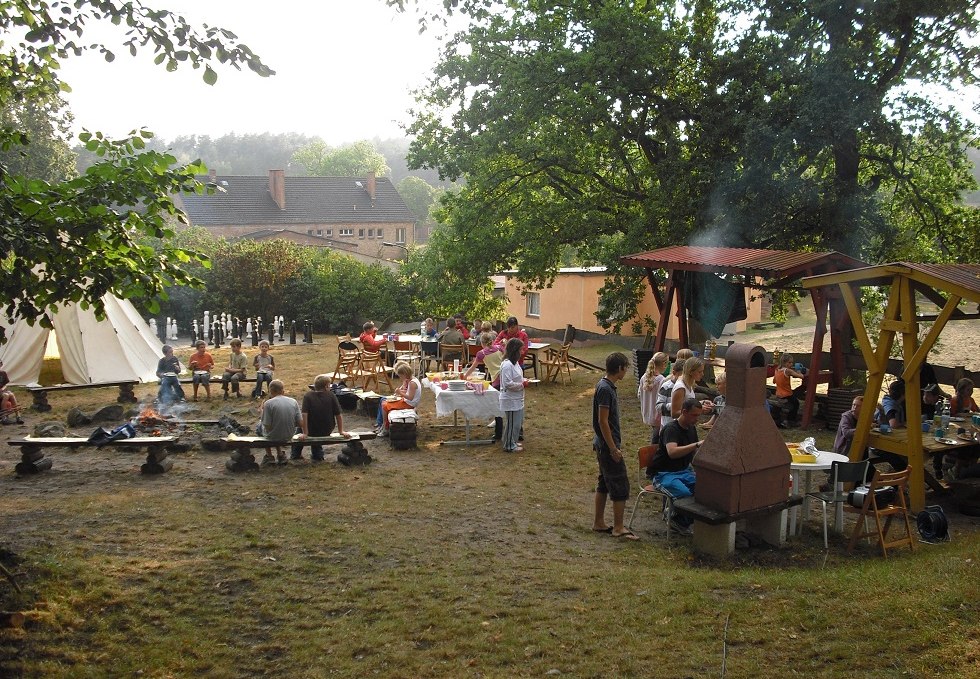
{"type": "Point", "coordinates": [369, 340]}
{"type": "Point", "coordinates": [513, 329]}
{"type": "Point", "coordinates": [453, 337]}
{"type": "Point", "coordinates": [671, 465]}
{"type": "Point", "coordinates": [962, 401]}
{"type": "Point", "coordinates": [788, 398]}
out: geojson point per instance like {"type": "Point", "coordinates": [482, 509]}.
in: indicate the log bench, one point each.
{"type": "Point", "coordinates": [33, 459]}
{"type": "Point", "coordinates": [40, 393]}
{"type": "Point", "coordinates": [242, 459]}
{"type": "Point", "coordinates": [714, 530]}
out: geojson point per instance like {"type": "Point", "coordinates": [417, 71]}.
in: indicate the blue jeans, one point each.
{"type": "Point", "coordinates": [170, 389]}
{"type": "Point", "coordinates": [259, 379]}
{"type": "Point", "coordinates": [678, 484]}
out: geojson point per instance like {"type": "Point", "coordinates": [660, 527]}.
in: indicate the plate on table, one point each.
{"type": "Point", "coordinates": [965, 437]}
{"type": "Point", "coordinates": [263, 371]}
{"type": "Point", "coordinates": [200, 372]}
{"type": "Point", "coordinates": [168, 374]}
{"type": "Point", "coordinates": [948, 442]}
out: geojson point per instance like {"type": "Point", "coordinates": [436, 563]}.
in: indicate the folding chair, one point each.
{"type": "Point", "coordinates": [348, 356]}
{"type": "Point", "coordinates": [649, 487]}
{"type": "Point", "coordinates": [900, 482]}
{"type": "Point", "coordinates": [555, 361]}
{"type": "Point", "coordinates": [840, 473]}
{"type": "Point", "coordinates": [429, 350]}
{"type": "Point", "coordinates": [372, 368]}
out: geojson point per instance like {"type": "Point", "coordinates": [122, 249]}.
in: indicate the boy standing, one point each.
{"type": "Point", "coordinates": [613, 478]}
{"type": "Point", "coordinates": [201, 362]}
{"type": "Point", "coordinates": [237, 364]}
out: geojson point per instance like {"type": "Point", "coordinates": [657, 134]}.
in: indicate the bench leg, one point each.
{"type": "Point", "coordinates": [40, 401]}
{"type": "Point", "coordinates": [771, 527]}
{"type": "Point", "coordinates": [717, 541]}
{"type": "Point", "coordinates": [242, 460]}
{"type": "Point", "coordinates": [353, 455]}
{"type": "Point", "coordinates": [156, 461]}
{"type": "Point", "coordinates": [32, 461]}
{"type": "Point", "coordinates": [126, 394]}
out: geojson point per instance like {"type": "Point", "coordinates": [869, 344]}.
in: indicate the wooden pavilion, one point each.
{"type": "Point", "coordinates": [759, 269]}
{"type": "Point", "coordinates": [946, 285]}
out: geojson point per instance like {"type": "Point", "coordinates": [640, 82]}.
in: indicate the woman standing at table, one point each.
{"type": "Point", "coordinates": [512, 384]}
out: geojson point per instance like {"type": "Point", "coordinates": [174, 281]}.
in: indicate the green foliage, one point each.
{"type": "Point", "coordinates": [46, 123]}
{"type": "Point", "coordinates": [419, 196]}
{"type": "Point", "coordinates": [248, 276]}
{"type": "Point", "coordinates": [350, 160]}
{"type": "Point", "coordinates": [621, 127]}
{"type": "Point", "coordinates": [339, 294]}
{"type": "Point", "coordinates": [78, 238]}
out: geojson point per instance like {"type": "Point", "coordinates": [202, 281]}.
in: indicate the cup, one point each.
{"type": "Point", "coordinates": [884, 428]}
{"type": "Point", "coordinates": [926, 426]}
{"type": "Point", "coordinates": [940, 433]}
{"type": "Point", "coordinates": [976, 420]}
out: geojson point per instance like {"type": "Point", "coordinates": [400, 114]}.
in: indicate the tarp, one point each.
{"type": "Point", "coordinates": [119, 347]}
{"type": "Point", "coordinates": [714, 302]}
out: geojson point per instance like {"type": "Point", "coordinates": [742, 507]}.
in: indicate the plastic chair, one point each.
{"type": "Point", "coordinates": [900, 482]}
{"type": "Point", "coordinates": [649, 487]}
{"type": "Point", "coordinates": [840, 473]}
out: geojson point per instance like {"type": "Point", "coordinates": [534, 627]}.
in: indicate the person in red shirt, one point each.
{"type": "Point", "coordinates": [513, 330]}
{"type": "Point", "coordinates": [462, 327]}
{"type": "Point", "coordinates": [368, 339]}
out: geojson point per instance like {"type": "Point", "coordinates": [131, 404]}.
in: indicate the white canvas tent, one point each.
{"type": "Point", "coordinates": [120, 347]}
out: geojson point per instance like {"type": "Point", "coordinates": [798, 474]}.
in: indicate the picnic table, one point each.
{"type": "Point", "coordinates": [466, 401]}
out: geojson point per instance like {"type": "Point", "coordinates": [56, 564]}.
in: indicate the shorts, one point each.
{"type": "Point", "coordinates": [614, 479]}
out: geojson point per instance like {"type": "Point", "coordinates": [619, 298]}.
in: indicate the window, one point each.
{"type": "Point", "coordinates": [381, 233]}
{"type": "Point", "coordinates": [329, 232]}
{"type": "Point", "coordinates": [533, 304]}
{"type": "Point", "coordinates": [319, 232]}
{"type": "Point", "coordinates": [370, 233]}
{"type": "Point", "coordinates": [400, 236]}
{"type": "Point", "coordinates": [309, 232]}
{"type": "Point", "coordinates": [360, 233]}
{"type": "Point", "coordinates": [347, 232]}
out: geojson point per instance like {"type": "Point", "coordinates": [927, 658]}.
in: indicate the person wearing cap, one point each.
{"type": "Point", "coordinates": [932, 394]}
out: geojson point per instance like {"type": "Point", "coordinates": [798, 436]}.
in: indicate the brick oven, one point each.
{"type": "Point", "coordinates": [743, 463]}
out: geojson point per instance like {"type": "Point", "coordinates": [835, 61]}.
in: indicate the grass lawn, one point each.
{"type": "Point", "coordinates": [441, 562]}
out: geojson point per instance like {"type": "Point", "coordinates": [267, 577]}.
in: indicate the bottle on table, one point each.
{"type": "Point", "coordinates": [944, 421]}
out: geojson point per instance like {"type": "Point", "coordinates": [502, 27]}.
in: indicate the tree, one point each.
{"type": "Point", "coordinates": [78, 239]}
{"type": "Point", "coordinates": [420, 197]}
{"type": "Point", "coordinates": [623, 126]}
{"type": "Point", "coordinates": [46, 123]}
{"type": "Point", "coordinates": [351, 160]}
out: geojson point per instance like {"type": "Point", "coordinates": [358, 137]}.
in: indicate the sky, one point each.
{"type": "Point", "coordinates": [344, 72]}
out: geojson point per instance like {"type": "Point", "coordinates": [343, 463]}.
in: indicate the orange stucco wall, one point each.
{"type": "Point", "coordinates": [574, 298]}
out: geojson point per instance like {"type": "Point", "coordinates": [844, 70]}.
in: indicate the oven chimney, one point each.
{"type": "Point", "coordinates": [277, 187]}
{"type": "Point", "coordinates": [212, 176]}
{"type": "Point", "coordinates": [743, 463]}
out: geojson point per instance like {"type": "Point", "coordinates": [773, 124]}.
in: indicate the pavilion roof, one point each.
{"type": "Point", "coordinates": [771, 265]}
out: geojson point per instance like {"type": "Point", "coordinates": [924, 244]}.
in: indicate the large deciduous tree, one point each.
{"type": "Point", "coordinates": [627, 125]}
{"type": "Point", "coordinates": [350, 160]}
{"type": "Point", "coordinates": [78, 239]}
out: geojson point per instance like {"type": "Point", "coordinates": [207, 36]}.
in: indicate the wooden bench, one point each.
{"type": "Point", "coordinates": [33, 460]}
{"type": "Point", "coordinates": [714, 530]}
{"type": "Point", "coordinates": [242, 459]}
{"type": "Point", "coordinates": [40, 393]}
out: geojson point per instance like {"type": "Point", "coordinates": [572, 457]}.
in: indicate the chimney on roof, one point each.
{"type": "Point", "coordinates": [212, 176]}
{"type": "Point", "coordinates": [277, 187]}
{"type": "Point", "coordinates": [371, 185]}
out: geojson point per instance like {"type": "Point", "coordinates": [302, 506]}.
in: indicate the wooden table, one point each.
{"type": "Point", "coordinates": [532, 350]}
{"type": "Point", "coordinates": [896, 441]}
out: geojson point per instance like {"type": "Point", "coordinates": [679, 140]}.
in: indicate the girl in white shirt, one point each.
{"type": "Point", "coordinates": [647, 389]}
{"type": "Point", "coordinates": [512, 384]}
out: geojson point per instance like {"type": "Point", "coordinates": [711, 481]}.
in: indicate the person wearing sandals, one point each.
{"type": "Point", "coordinates": [614, 481]}
{"type": "Point", "coordinates": [9, 401]}
{"type": "Point", "coordinates": [512, 385]}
